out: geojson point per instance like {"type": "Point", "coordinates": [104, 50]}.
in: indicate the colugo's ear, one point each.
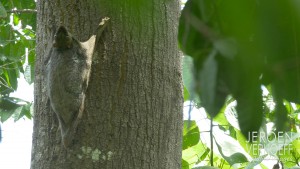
{"type": "Point", "coordinates": [63, 39]}
{"type": "Point", "coordinates": [102, 25]}
{"type": "Point", "coordinates": [90, 44]}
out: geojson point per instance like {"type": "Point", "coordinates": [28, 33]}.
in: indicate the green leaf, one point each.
{"type": "Point", "coordinates": [7, 103]}
{"type": "Point", "coordinates": [7, 108]}
{"type": "Point", "coordinates": [194, 154]}
{"type": "Point", "coordinates": [205, 154]}
{"type": "Point", "coordinates": [243, 142]}
{"type": "Point", "coordinates": [5, 114]}
{"type": "Point", "coordinates": [289, 153]}
{"type": "Point", "coordinates": [221, 119]}
{"type": "Point", "coordinates": [13, 106]}
{"type": "Point", "coordinates": [31, 56]}
{"type": "Point", "coordinates": [16, 19]}
{"type": "Point", "coordinates": [296, 145]}
{"type": "Point", "coordinates": [227, 47]}
{"type": "Point", "coordinates": [29, 32]}
{"type": "Point", "coordinates": [249, 110]}
{"type": "Point", "coordinates": [186, 95]}
{"type": "Point", "coordinates": [281, 47]}
{"type": "Point", "coordinates": [28, 74]}
{"type": "Point", "coordinates": [191, 134]}
{"type": "Point", "coordinates": [191, 41]}
{"type": "Point", "coordinates": [281, 115]}
{"type": "Point", "coordinates": [31, 62]}
{"type": "Point", "coordinates": [13, 78]}
{"type": "Point", "coordinates": [6, 33]}
{"type": "Point", "coordinates": [188, 79]}
{"type": "Point", "coordinates": [185, 164]}
{"type": "Point", "coordinates": [231, 115]}
{"type": "Point", "coordinates": [227, 146]}
{"type": "Point", "coordinates": [256, 161]}
{"type": "Point", "coordinates": [212, 98]}
{"type": "Point", "coordinates": [208, 82]}
{"type": "Point", "coordinates": [25, 111]}
{"type": "Point", "coordinates": [3, 13]}
{"type": "Point", "coordinates": [206, 167]}
{"type": "Point", "coordinates": [236, 158]}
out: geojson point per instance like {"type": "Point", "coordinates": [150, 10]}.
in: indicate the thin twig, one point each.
{"type": "Point", "coordinates": [211, 143]}
{"type": "Point", "coordinates": [22, 11]}
{"type": "Point", "coordinates": [3, 83]}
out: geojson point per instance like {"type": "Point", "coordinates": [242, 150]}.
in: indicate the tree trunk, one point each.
{"type": "Point", "coordinates": [133, 108]}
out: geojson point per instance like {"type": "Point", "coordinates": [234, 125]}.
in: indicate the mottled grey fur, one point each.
{"type": "Point", "coordinates": [68, 72]}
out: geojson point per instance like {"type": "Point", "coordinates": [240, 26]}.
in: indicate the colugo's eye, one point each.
{"type": "Point", "coordinates": [55, 36]}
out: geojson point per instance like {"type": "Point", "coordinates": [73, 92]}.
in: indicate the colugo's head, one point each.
{"type": "Point", "coordinates": [62, 38]}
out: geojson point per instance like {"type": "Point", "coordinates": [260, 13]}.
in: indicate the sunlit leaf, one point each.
{"type": "Point", "coordinates": [190, 134]}
{"type": "Point", "coordinates": [206, 167]}
{"type": "Point", "coordinates": [188, 79]}
{"type": "Point", "coordinates": [186, 95]}
{"type": "Point", "coordinates": [16, 19]}
{"type": "Point", "coordinates": [185, 164]}
{"type": "Point", "coordinates": [256, 161]}
{"type": "Point", "coordinates": [230, 151]}
{"type": "Point", "coordinates": [28, 74]}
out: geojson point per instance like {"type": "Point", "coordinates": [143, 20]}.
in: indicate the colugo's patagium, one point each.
{"type": "Point", "coordinates": [68, 72]}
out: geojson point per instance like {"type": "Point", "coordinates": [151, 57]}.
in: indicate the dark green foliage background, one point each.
{"type": "Point", "coordinates": [17, 33]}
{"type": "Point", "coordinates": [234, 48]}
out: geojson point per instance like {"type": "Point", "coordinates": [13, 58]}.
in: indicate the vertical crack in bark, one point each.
{"type": "Point", "coordinates": [123, 70]}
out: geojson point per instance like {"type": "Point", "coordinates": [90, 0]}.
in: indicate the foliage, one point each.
{"type": "Point", "coordinates": [17, 54]}
{"type": "Point", "coordinates": [238, 51]}
{"type": "Point", "coordinates": [231, 148]}
{"type": "Point", "coordinates": [234, 57]}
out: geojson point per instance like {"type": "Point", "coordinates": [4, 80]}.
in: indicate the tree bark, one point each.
{"type": "Point", "coordinates": [133, 108]}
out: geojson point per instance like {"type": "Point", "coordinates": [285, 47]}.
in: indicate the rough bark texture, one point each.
{"type": "Point", "coordinates": [133, 109]}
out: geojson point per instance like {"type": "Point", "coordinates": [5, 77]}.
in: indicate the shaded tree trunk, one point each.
{"type": "Point", "coordinates": [133, 108]}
